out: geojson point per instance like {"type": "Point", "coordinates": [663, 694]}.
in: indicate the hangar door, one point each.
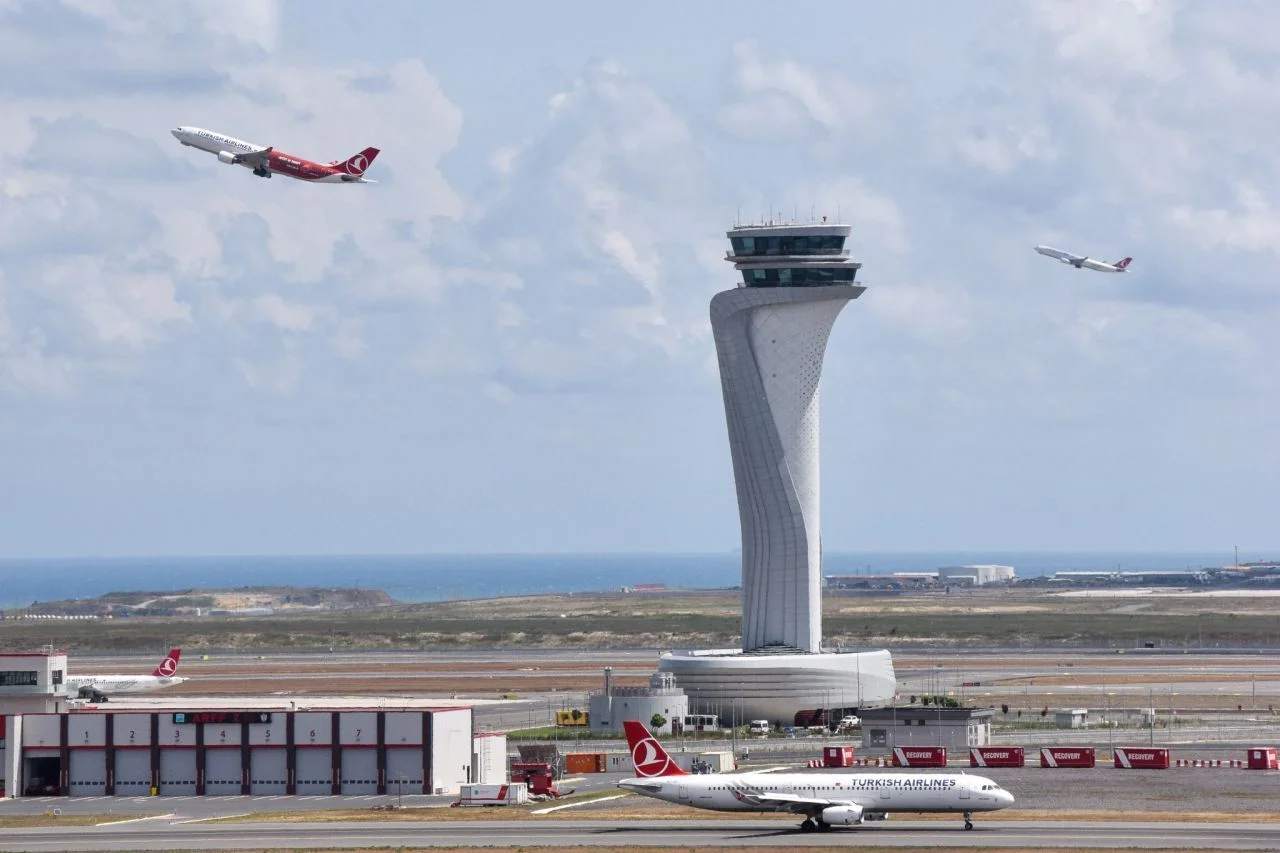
{"type": "Point", "coordinates": [359, 771]}
{"type": "Point", "coordinates": [313, 771]}
{"type": "Point", "coordinates": [177, 772]}
{"type": "Point", "coordinates": [88, 776]}
{"type": "Point", "coordinates": [268, 771]}
{"type": "Point", "coordinates": [404, 770]}
{"type": "Point", "coordinates": [222, 771]}
{"type": "Point", "coordinates": [133, 772]}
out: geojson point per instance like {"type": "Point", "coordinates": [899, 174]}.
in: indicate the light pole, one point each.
{"type": "Point", "coordinates": [1152, 709]}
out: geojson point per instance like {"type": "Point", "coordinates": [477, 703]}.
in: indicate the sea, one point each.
{"type": "Point", "coordinates": [447, 577]}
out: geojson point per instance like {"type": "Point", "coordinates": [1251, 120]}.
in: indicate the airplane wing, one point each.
{"type": "Point", "coordinates": [790, 802]}
{"type": "Point", "coordinates": [259, 159]}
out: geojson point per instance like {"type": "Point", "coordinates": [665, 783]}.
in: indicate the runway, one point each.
{"type": "Point", "coordinates": [160, 835]}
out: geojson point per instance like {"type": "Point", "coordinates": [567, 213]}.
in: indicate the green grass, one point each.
{"type": "Point", "coordinates": [701, 620]}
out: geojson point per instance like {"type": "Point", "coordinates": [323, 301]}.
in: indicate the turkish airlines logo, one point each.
{"type": "Point", "coordinates": [649, 758]}
{"type": "Point", "coordinates": [357, 164]}
{"type": "Point", "coordinates": [168, 667]}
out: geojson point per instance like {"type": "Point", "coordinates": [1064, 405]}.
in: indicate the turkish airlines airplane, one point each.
{"type": "Point", "coordinates": [824, 799]}
{"type": "Point", "coordinates": [98, 687]}
{"type": "Point", "coordinates": [266, 161]}
{"type": "Point", "coordinates": [1083, 261]}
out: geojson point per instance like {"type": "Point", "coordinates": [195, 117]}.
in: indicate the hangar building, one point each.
{"type": "Point", "coordinates": [48, 750]}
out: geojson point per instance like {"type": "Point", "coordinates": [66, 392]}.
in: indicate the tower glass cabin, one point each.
{"type": "Point", "coordinates": [792, 255]}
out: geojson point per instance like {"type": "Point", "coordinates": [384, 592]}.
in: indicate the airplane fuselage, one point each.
{"type": "Point", "coordinates": [1081, 261]}
{"type": "Point", "coordinates": [227, 148]}
{"type": "Point", "coordinates": [111, 685]}
{"type": "Point", "coordinates": [875, 794]}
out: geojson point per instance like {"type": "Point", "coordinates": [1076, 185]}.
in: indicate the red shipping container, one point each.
{"type": "Point", "coordinates": [837, 756]}
{"type": "Point", "coordinates": [1263, 758]}
{"type": "Point", "coordinates": [997, 756]}
{"type": "Point", "coordinates": [919, 756]}
{"type": "Point", "coordinates": [1068, 756]}
{"type": "Point", "coordinates": [1141, 758]}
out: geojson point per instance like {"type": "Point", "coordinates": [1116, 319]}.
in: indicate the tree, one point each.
{"type": "Point", "coordinates": [657, 721]}
{"type": "Point", "coordinates": [1004, 709]}
{"type": "Point", "coordinates": [576, 714]}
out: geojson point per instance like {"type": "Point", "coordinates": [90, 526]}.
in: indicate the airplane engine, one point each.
{"type": "Point", "coordinates": [227, 157]}
{"type": "Point", "coordinates": [842, 815]}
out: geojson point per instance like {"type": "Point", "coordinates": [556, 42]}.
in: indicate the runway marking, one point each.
{"type": "Point", "coordinates": [135, 819]}
{"type": "Point", "coordinates": [583, 803]}
{"type": "Point", "coordinates": [215, 817]}
{"type": "Point", "coordinates": [573, 779]}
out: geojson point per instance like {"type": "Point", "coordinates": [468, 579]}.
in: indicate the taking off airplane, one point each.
{"type": "Point", "coordinates": [1083, 261]}
{"type": "Point", "coordinates": [823, 799]}
{"type": "Point", "coordinates": [265, 160]}
{"type": "Point", "coordinates": [98, 687]}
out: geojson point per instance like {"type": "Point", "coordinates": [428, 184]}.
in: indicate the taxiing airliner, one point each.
{"type": "Point", "coordinates": [98, 687]}
{"type": "Point", "coordinates": [824, 799]}
{"type": "Point", "coordinates": [1083, 261]}
{"type": "Point", "coordinates": [265, 161]}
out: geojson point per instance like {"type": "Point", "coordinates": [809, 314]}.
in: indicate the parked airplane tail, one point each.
{"type": "Point", "coordinates": [169, 666]}
{"type": "Point", "coordinates": [647, 754]}
{"type": "Point", "coordinates": [357, 164]}
{"type": "Point", "coordinates": [1122, 264]}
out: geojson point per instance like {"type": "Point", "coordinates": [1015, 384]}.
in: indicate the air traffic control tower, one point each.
{"type": "Point", "coordinates": [771, 334]}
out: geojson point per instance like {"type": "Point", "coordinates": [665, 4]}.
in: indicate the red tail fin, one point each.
{"type": "Point", "coordinates": [1122, 264]}
{"type": "Point", "coordinates": [169, 666]}
{"type": "Point", "coordinates": [356, 165]}
{"type": "Point", "coordinates": [647, 754]}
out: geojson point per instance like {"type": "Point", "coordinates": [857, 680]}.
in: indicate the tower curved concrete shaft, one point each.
{"type": "Point", "coordinates": [771, 336]}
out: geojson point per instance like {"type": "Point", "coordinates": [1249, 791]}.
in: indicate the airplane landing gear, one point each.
{"type": "Point", "coordinates": [262, 173]}
{"type": "Point", "coordinates": [809, 825]}
{"type": "Point", "coordinates": [968, 824]}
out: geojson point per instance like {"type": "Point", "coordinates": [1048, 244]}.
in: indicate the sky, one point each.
{"type": "Point", "coordinates": [504, 344]}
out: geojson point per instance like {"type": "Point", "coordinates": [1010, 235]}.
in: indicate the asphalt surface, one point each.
{"type": "Point", "coordinates": [161, 834]}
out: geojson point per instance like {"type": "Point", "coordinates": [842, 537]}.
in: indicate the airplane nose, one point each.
{"type": "Point", "coordinates": [177, 133]}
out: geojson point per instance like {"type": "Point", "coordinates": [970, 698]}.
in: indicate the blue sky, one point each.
{"type": "Point", "coordinates": [504, 344]}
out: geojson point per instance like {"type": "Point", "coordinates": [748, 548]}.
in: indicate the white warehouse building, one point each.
{"type": "Point", "coordinates": [608, 708]}
{"type": "Point", "coordinates": [976, 575]}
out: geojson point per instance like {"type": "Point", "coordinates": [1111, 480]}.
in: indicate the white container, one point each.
{"type": "Point", "coordinates": [510, 794]}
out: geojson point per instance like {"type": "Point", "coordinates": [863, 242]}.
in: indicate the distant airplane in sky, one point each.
{"type": "Point", "coordinates": [265, 160]}
{"type": "Point", "coordinates": [1082, 261]}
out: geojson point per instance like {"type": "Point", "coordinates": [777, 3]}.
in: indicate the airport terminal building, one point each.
{"type": "Point", "coordinates": [48, 749]}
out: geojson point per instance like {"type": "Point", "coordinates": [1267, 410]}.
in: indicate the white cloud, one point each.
{"type": "Point", "coordinates": [925, 313]}
{"type": "Point", "coordinates": [783, 99]}
{"type": "Point", "coordinates": [1253, 224]}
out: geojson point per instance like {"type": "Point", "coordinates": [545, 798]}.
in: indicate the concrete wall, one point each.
{"type": "Point", "coordinates": [770, 343]}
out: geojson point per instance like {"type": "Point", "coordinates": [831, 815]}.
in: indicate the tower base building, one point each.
{"type": "Point", "coordinates": [771, 335]}
{"type": "Point", "coordinates": [741, 686]}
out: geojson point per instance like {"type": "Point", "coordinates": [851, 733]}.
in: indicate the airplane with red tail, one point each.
{"type": "Point", "coordinates": [266, 161]}
{"type": "Point", "coordinates": [1084, 261]}
{"type": "Point", "coordinates": [98, 687]}
{"type": "Point", "coordinates": [824, 800]}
